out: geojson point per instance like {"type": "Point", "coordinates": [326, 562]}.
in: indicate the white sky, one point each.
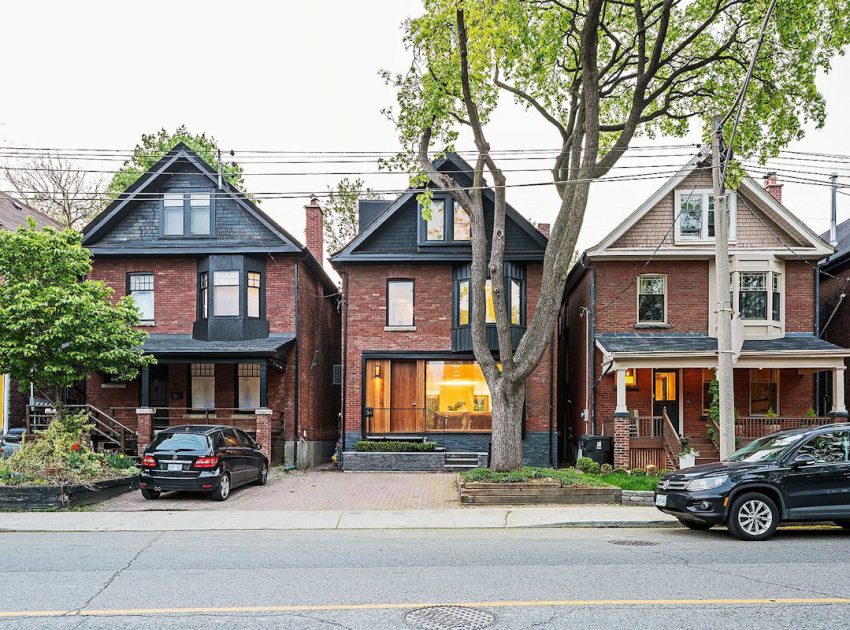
{"type": "Point", "coordinates": [297, 76]}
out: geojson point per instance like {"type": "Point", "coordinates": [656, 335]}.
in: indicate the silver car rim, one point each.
{"type": "Point", "coordinates": [264, 473]}
{"type": "Point", "coordinates": [225, 486]}
{"type": "Point", "coordinates": [755, 517]}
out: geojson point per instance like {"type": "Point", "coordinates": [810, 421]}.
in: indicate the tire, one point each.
{"type": "Point", "coordinates": [695, 525]}
{"type": "Point", "coordinates": [150, 494]}
{"type": "Point", "coordinates": [264, 475]}
{"type": "Point", "coordinates": [222, 490]}
{"type": "Point", "coordinates": [753, 516]}
{"type": "Point", "coordinates": [844, 524]}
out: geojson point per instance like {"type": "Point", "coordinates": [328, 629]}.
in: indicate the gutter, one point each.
{"type": "Point", "coordinates": [344, 358]}
{"type": "Point", "coordinates": [551, 389]}
{"type": "Point", "coordinates": [295, 426]}
{"type": "Point", "coordinates": [591, 347]}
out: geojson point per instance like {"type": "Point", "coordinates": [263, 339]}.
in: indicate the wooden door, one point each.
{"type": "Point", "coordinates": [666, 395]}
{"type": "Point", "coordinates": [406, 416]}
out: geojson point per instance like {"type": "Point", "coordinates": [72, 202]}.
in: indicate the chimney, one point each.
{"type": "Point", "coordinates": [544, 228]}
{"type": "Point", "coordinates": [314, 230]}
{"type": "Point", "coordinates": [772, 187]}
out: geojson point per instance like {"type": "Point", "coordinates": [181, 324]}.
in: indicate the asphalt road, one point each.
{"type": "Point", "coordinates": [535, 578]}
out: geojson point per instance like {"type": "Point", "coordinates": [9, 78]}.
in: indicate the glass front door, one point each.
{"type": "Point", "coordinates": [665, 395]}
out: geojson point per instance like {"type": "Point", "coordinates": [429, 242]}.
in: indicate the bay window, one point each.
{"type": "Point", "coordinates": [514, 296]}
{"type": "Point", "coordinates": [752, 295]}
{"type": "Point", "coordinates": [225, 293]}
{"type": "Point", "coordinates": [204, 286]}
{"type": "Point", "coordinates": [254, 282]}
{"type": "Point", "coordinates": [463, 303]}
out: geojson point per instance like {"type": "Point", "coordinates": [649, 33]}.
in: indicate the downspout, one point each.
{"type": "Point", "coordinates": [817, 334]}
{"type": "Point", "coordinates": [551, 390]}
{"type": "Point", "coordinates": [295, 426]}
{"type": "Point", "coordinates": [344, 356]}
{"type": "Point", "coordinates": [591, 348]}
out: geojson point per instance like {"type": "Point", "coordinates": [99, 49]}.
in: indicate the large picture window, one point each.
{"type": "Point", "coordinates": [764, 392]}
{"type": "Point", "coordinates": [457, 397]}
{"type": "Point", "coordinates": [400, 302]}
{"type": "Point", "coordinates": [226, 293]}
{"type": "Point", "coordinates": [752, 295]}
{"type": "Point", "coordinates": [141, 288]}
{"type": "Point", "coordinates": [652, 299]}
{"type": "Point", "coordinates": [514, 296]}
{"type": "Point", "coordinates": [203, 385]}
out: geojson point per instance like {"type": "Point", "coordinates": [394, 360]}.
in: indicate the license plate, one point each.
{"type": "Point", "coordinates": [661, 500]}
{"type": "Point", "coordinates": [175, 467]}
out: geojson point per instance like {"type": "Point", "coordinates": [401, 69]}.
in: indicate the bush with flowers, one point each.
{"type": "Point", "coordinates": [60, 455]}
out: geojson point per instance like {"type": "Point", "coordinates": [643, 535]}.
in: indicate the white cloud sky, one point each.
{"type": "Point", "coordinates": [298, 76]}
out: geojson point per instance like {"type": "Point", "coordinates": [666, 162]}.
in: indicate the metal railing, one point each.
{"type": "Point", "coordinates": [244, 419]}
{"type": "Point", "coordinates": [387, 420]}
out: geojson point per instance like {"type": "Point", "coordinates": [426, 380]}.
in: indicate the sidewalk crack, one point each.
{"type": "Point", "coordinates": [507, 514]}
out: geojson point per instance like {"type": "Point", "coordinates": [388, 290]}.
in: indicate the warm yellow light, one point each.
{"type": "Point", "coordinates": [631, 377]}
{"type": "Point", "coordinates": [378, 371]}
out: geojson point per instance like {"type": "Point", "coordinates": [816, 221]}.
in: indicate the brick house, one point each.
{"type": "Point", "coordinates": [14, 399]}
{"type": "Point", "coordinates": [409, 370]}
{"type": "Point", "coordinates": [242, 319]}
{"type": "Point", "coordinates": [638, 323]}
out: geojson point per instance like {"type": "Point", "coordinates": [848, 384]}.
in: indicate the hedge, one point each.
{"type": "Point", "coordinates": [374, 446]}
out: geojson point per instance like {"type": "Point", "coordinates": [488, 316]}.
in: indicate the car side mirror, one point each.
{"type": "Point", "coordinates": [803, 460]}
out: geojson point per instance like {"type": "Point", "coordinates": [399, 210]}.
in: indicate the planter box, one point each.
{"type": "Point", "coordinates": [55, 497]}
{"type": "Point", "coordinates": [434, 461]}
{"type": "Point", "coordinates": [479, 493]}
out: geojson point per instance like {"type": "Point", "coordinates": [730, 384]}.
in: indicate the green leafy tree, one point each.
{"type": "Point", "coordinates": [56, 327]}
{"type": "Point", "coordinates": [600, 73]}
{"type": "Point", "coordinates": [154, 146]}
{"type": "Point", "coordinates": [340, 216]}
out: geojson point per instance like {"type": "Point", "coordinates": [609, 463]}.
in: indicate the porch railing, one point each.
{"type": "Point", "coordinates": [106, 431]}
{"type": "Point", "coordinates": [751, 428]}
{"type": "Point", "coordinates": [385, 420]}
{"type": "Point", "coordinates": [244, 419]}
{"type": "Point", "coordinates": [672, 444]}
{"type": "Point", "coordinates": [646, 427]}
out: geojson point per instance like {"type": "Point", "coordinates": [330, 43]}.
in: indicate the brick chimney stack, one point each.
{"type": "Point", "coordinates": [772, 187]}
{"type": "Point", "coordinates": [314, 230]}
{"type": "Point", "coordinates": [544, 228]}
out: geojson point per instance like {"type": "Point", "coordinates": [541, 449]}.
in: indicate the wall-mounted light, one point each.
{"type": "Point", "coordinates": [378, 371]}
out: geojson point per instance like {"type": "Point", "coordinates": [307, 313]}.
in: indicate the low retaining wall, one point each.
{"type": "Point", "coordinates": [55, 497]}
{"type": "Point", "coordinates": [434, 461]}
{"type": "Point", "coordinates": [477, 493]}
{"type": "Point", "coordinates": [638, 497]}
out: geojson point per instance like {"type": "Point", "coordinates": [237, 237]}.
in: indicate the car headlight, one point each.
{"type": "Point", "coordinates": [707, 483]}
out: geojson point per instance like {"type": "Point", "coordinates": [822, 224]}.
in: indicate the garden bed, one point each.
{"type": "Point", "coordinates": [45, 497]}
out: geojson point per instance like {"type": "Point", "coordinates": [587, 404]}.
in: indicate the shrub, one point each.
{"type": "Point", "coordinates": [637, 472]}
{"type": "Point", "coordinates": [652, 470]}
{"type": "Point", "coordinates": [374, 446]}
{"type": "Point", "coordinates": [619, 470]}
{"type": "Point", "coordinates": [587, 465]}
{"type": "Point", "coordinates": [604, 469]}
{"type": "Point", "coordinates": [663, 471]}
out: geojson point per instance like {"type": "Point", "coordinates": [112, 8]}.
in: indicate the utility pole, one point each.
{"type": "Point", "coordinates": [725, 366]}
{"type": "Point", "coordinates": [833, 218]}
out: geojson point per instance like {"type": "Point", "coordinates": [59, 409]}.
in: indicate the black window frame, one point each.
{"type": "Point", "coordinates": [663, 294]}
{"type": "Point", "coordinates": [203, 295]}
{"type": "Point", "coordinates": [259, 288]}
{"type": "Point", "coordinates": [512, 272]}
{"type": "Point", "coordinates": [187, 213]}
{"type": "Point", "coordinates": [448, 225]}
{"type": "Point", "coordinates": [239, 283]}
{"type": "Point", "coordinates": [412, 282]}
{"type": "Point", "coordinates": [129, 291]}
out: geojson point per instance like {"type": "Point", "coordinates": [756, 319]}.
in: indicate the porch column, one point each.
{"type": "Point", "coordinates": [264, 431]}
{"type": "Point", "coordinates": [144, 424]}
{"type": "Point", "coordinates": [621, 423]}
{"type": "Point", "coordinates": [144, 403]}
{"type": "Point", "coordinates": [838, 407]}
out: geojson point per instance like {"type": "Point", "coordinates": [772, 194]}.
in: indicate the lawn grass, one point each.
{"type": "Point", "coordinates": [566, 476]}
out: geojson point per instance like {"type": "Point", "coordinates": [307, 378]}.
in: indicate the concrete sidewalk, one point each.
{"type": "Point", "coordinates": [455, 518]}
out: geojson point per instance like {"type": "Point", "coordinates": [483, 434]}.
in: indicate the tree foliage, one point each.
{"type": "Point", "coordinates": [601, 74]}
{"type": "Point", "coordinates": [56, 327]}
{"type": "Point", "coordinates": [154, 146]}
{"type": "Point", "coordinates": [340, 214]}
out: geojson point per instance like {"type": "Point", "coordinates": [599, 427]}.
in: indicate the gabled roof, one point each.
{"type": "Point", "coordinates": [813, 244]}
{"type": "Point", "coordinates": [842, 249]}
{"type": "Point", "coordinates": [14, 213]}
{"type": "Point", "coordinates": [448, 162]}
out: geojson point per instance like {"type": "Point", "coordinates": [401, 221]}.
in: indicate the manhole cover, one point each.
{"type": "Point", "coordinates": [448, 618]}
{"type": "Point", "coordinates": [633, 543]}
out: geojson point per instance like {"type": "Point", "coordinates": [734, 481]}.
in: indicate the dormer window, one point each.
{"type": "Point", "coordinates": [187, 214]}
{"type": "Point", "coordinates": [449, 223]}
{"type": "Point", "coordinates": [435, 227]}
{"type": "Point", "coordinates": [462, 227]}
{"type": "Point", "coordinates": [695, 212]}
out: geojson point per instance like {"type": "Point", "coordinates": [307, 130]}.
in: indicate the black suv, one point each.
{"type": "Point", "coordinates": [213, 459]}
{"type": "Point", "coordinates": [796, 475]}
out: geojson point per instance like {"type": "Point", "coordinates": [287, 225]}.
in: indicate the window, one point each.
{"type": "Point", "coordinates": [457, 397]}
{"type": "Point", "coordinates": [631, 378]}
{"type": "Point", "coordinates": [462, 228]}
{"type": "Point", "coordinates": [490, 316]}
{"type": "Point", "coordinates": [249, 385]}
{"type": "Point", "coordinates": [776, 310]}
{"type": "Point", "coordinates": [400, 303]}
{"type": "Point", "coordinates": [253, 294]}
{"type": "Point", "coordinates": [828, 448]}
{"type": "Point", "coordinates": [204, 282]}
{"type": "Point", "coordinates": [463, 303]}
{"type": "Point", "coordinates": [226, 293]}
{"type": "Point", "coordinates": [203, 385]}
{"type": "Point", "coordinates": [516, 302]}
{"type": "Point", "coordinates": [651, 299]}
{"type": "Point", "coordinates": [695, 211]}
{"type": "Point", "coordinates": [752, 295]}
{"type": "Point", "coordinates": [199, 213]}
{"type": "Point", "coordinates": [764, 392]}
{"type": "Point", "coordinates": [141, 288]}
{"type": "Point", "coordinates": [435, 227]}
{"type": "Point", "coordinates": [173, 214]}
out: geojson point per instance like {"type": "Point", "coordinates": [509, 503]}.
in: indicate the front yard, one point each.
{"type": "Point", "coordinates": [570, 477]}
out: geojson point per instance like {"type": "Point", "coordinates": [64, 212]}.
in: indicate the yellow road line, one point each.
{"type": "Point", "coordinates": [127, 612]}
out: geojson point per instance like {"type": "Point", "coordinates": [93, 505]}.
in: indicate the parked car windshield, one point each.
{"type": "Point", "coordinates": [180, 442]}
{"type": "Point", "coordinates": [766, 449]}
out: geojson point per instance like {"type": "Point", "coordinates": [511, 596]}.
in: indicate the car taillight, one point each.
{"type": "Point", "coordinates": [148, 462]}
{"type": "Point", "coordinates": [206, 462]}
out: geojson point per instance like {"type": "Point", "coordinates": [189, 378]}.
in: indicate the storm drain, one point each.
{"type": "Point", "coordinates": [448, 618]}
{"type": "Point", "coordinates": [634, 543]}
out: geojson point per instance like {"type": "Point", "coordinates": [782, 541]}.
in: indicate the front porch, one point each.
{"type": "Point", "coordinates": [661, 395]}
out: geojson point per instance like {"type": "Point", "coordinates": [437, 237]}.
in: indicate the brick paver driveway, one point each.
{"type": "Point", "coordinates": [314, 490]}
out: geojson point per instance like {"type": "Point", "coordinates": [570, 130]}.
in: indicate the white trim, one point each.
{"type": "Point", "coordinates": [649, 324]}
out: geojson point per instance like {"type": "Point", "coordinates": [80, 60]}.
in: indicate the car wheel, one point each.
{"type": "Point", "coordinates": [844, 524]}
{"type": "Point", "coordinates": [753, 517]}
{"type": "Point", "coordinates": [264, 475]}
{"type": "Point", "coordinates": [223, 490]}
{"type": "Point", "coordinates": [150, 494]}
{"type": "Point", "coordinates": [696, 525]}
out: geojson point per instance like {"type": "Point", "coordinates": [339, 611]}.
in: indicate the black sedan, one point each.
{"type": "Point", "coordinates": [796, 475]}
{"type": "Point", "coordinates": [212, 459]}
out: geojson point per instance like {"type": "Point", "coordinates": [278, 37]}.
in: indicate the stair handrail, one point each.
{"type": "Point", "coordinates": [672, 444]}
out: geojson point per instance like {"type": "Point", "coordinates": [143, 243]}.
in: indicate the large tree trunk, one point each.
{"type": "Point", "coordinates": [508, 404]}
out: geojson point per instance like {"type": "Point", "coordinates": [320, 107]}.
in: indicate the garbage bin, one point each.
{"type": "Point", "coordinates": [599, 448]}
